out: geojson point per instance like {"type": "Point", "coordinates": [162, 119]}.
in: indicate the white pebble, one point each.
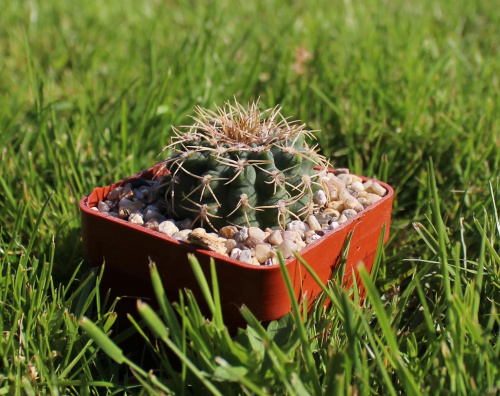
{"type": "Point", "coordinates": [275, 238]}
{"type": "Point", "coordinates": [358, 186]}
{"type": "Point", "coordinates": [287, 248]}
{"type": "Point", "coordinates": [312, 238]}
{"type": "Point", "coordinates": [347, 179]}
{"type": "Point", "coordinates": [256, 232]}
{"type": "Point", "coordinates": [262, 252]}
{"type": "Point", "coordinates": [319, 198]}
{"type": "Point", "coordinates": [235, 253]}
{"type": "Point", "coordinates": [168, 227]}
{"type": "Point", "coordinates": [298, 226]}
{"type": "Point", "coordinates": [353, 203]}
{"type": "Point", "coordinates": [246, 256]}
{"type": "Point", "coordinates": [376, 188]}
{"type": "Point", "coordinates": [332, 225]}
{"type": "Point", "coordinates": [136, 218]}
{"type": "Point", "coordinates": [152, 225]}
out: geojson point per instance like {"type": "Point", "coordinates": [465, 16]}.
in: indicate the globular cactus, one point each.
{"type": "Point", "coordinates": [242, 166]}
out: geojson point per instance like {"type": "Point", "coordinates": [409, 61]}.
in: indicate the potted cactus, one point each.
{"type": "Point", "coordinates": [240, 186]}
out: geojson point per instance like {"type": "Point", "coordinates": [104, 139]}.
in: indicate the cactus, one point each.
{"type": "Point", "coordinates": [242, 166]}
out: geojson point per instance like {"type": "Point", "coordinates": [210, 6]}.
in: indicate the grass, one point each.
{"type": "Point", "coordinates": [406, 92]}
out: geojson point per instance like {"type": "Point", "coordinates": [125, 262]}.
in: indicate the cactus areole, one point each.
{"type": "Point", "coordinates": [242, 166]}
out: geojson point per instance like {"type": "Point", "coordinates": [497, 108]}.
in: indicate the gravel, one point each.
{"type": "Point", "coordinates": [343, 196]}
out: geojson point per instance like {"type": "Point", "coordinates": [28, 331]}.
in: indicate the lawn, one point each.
{"type": "Point", "coordinates": [405, 92]}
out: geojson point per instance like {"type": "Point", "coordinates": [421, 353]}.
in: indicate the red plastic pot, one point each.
{"type": "Point", "coordinates": [127, 248]}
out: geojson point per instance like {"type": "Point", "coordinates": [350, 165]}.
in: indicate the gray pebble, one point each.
{"type": "Point", "coordinates": [323, 218]}
{"type": "Point", "coordinates": [184, 224]}
{"type": "Point", "coordinates": [251, 242]}
{"type": "Point", "coordinates": [349, 213]}
{"type": "Point", "coordinates": [241, 235]}
{"type": "Point", "coordinates": [115, 193]}
{"type": "Point", "coordinates": [102, 206]}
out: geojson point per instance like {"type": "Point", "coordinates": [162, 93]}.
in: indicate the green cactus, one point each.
{"type": "Point", "coordinates": [242, 166]}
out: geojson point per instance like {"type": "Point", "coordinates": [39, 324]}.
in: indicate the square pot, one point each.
{"type": "Point", "coordinates": [127, 248]}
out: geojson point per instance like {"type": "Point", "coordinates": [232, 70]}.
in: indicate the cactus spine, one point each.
{"type": "Point", "coordinates": [242, 166]}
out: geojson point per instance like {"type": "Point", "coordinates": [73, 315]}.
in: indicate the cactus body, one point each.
{"type": "Point", "coordinates": [239, 167]}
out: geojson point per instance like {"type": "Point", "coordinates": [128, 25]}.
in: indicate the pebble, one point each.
{"type": "Point", "coordinates": [183, 235]}
{"type": "Point", "coordinates": [262, 252]}
{"type": "Point", "coordinates": [358, 186]}
{"type": "Point", "coordinates": [333, 213]}
{"type": "Point", "coordinates": [312, 238]}
{"type": "Point", "coordinates": [332, 225]}
{"type": "Point", "coordinates": [246, 256]}
{"type": "Point", "coordinates": [241, 235]}
{"type": "Point", "coordinates": [271, 261]}
{"type": "Point", "coordinates": [313, 223]}
{"type": "Point", "coordinates": [319, 198]}
{"type": "Point", "coordinates": [336, 205]}
{"type": "Point", "coordinates": [235, 253]}
{"type": "Point", "coordinates": [184, 224]}
{"type": "Point", "coordinates": [150, 214]}
{"type": "Point", "coordinates": [256, 232]}
{"type": "Point", "coordinates": [353, 203]}
{"type": "Point", "coordinates": [168, 227]}
{"type": "Point", "coordinates": [127, 191]}
{"type": "Point", "coordinates": [228, 232]}
{"type": "Point", "coordinates": [346, 178]}
{"type": "Point", "coordinates": [287, 248]}
{"type": "Point", "coordinates": [323, 217]}
{"type": "Point", "coordinates": [230, 244]}
{"type": "Point", "coordinates": [349, 213]}
{"type": "Point", "coordinates": [275, 238]}
{"type": "Point", "coordinates": [102, 207]}
{"type": "Point", "coordinates": [115, 193]}
{"type": "Point", "coordinates": [152, 225]}
{"type": "Point", "coordinates": [251, 242]}
{"type": "Point", "coordinates": [298, 226]}
{"type": "Point", "coordinates": [136, 218]}
{"type": "Point", "coordinates": [374, 187]}
{"type": "Point", "coordinates": [342, 219]}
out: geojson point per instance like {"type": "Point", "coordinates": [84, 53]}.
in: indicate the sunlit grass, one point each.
{"type": "Point", "coordinates": [88, 93]}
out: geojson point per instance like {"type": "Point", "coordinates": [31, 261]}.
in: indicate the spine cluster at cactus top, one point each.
{"type": "Point", "coordinates": [242, 166]}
